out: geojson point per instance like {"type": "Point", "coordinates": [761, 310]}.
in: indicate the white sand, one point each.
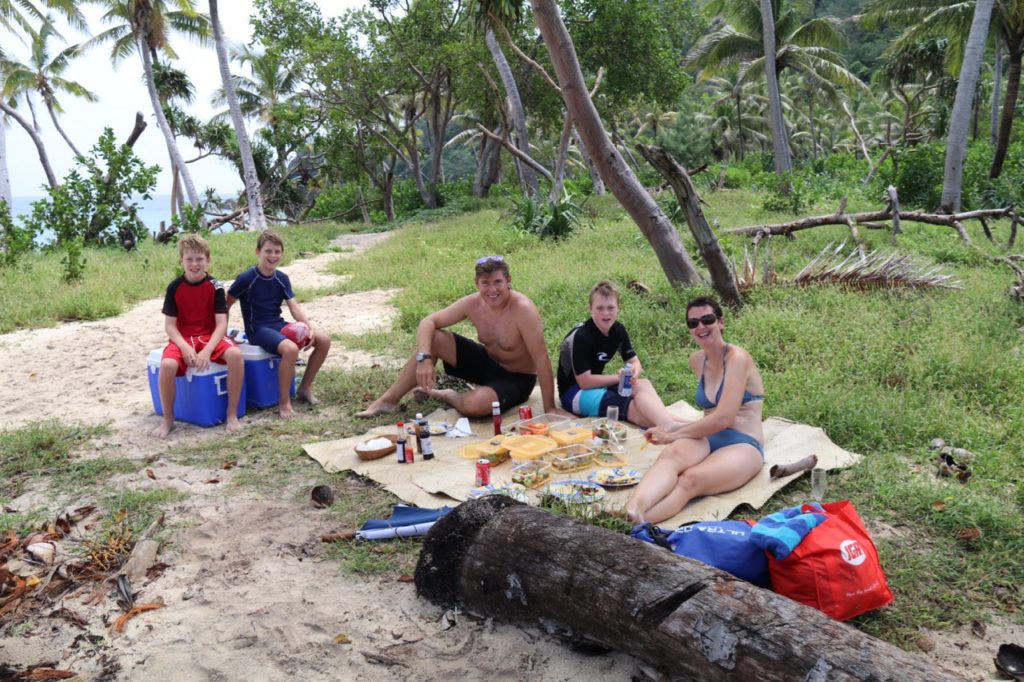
{"type": "Point", "coordinates": [249, 594]}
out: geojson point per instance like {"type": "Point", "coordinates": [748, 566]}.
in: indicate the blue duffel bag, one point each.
{"type": "Point", "coordinates": [723, 544]}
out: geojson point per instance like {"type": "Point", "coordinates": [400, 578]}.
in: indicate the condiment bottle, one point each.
{"type": "Point", "coordinates": [425, 444]}
{"type": "Point", "coordinates": [496, 417]}
{"type": "Point", "coordinates": [400, 444]}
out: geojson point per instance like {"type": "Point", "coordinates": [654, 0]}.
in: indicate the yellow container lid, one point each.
{"type": "Point", "coordinates": [529, 447]}
{"type": "Point", "coordinates": [571, 434]}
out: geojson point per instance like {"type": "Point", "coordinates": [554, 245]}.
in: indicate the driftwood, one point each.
{"type": "Point", "coordinates": [497, 557]}
{"type": "Point", "coordinates": [722, 276]}
{"type": "Point", "coordinates": [790, 468]}
{"type": "Point", "coordinates": [954, 221]}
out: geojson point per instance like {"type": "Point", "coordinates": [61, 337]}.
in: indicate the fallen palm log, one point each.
{"type": "Point", "coordinates": [497, 557]}
{"type": "Point", "coordinates": [871, 219]}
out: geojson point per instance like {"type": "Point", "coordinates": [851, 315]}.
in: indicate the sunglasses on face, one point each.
{"type": "Point", "coordinates": [706, 320]}
{"type": "Point", "coordinates": [488, 259]}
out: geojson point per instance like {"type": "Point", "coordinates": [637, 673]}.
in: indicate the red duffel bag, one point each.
{"type": "Point", "coordinates": [835, 568]}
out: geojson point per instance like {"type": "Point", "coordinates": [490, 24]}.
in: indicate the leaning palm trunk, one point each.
{"type": "Point", "coordinates": [662, 235]}
{"type": "Point", "coordinates": [5, 178]}
{"type": "Point", "coordinates": [161, 121]}
{"type": "Point", "coordinates": [56, 124]}
{"type": "Point", "coordinates": [44, 159]}
{"type": "Point", "coordinates": [960, 119]}
{"type": "Point", "coordinates": [515, 111]}
{"type": "Point", "coordinates": [1014, 55]}
{"type": "Point", "coordinates": [252, 181]}
{"type": "Point", "coordinates": [783, 163]}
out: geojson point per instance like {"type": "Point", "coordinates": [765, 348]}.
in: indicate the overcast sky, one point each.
{"type": "Point", "coordinates": [121, 93]}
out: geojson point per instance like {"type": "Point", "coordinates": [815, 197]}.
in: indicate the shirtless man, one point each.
{"type": "Point", "coordinates": [504, 366]}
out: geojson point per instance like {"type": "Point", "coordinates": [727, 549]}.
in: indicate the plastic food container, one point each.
{"type": "Point", "coordinates": [570, 432]}
{"type": "Point", "coordinates": [538, 426]}
{"type": "Point", "coordinates": [490, 450]}
{"type": "Point", "coordinates": [604, 457]}
{"type": "Point", "coordinates": [610, 430]}
{"type": "Point", "coordinates": [570, 458]}
{"type": "Point", "coordinates": [528, 447]}
{"type": "Point", "coordinates": [531, 473]}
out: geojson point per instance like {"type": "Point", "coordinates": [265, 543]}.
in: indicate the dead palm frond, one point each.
{"type": "Point", "coordinates": [877, 269]}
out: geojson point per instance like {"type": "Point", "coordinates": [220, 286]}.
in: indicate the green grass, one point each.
{"type": "Point", "coordinates": [33, 295]}
{"type": "Point", "coordinates": [882, 372]}
{"type": "Point", "coordinates": [44, 449]}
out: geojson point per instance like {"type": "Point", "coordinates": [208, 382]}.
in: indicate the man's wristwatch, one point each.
{"type": "Point", "coordinates": [420, 357]}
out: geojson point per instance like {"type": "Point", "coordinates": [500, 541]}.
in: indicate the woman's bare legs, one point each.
{"type": "Point", "coordinates": [647, 408]}
{"type": "Point", "coordinates": [661, 479]}
{"type": "Point", "coordinates": [723, 470]}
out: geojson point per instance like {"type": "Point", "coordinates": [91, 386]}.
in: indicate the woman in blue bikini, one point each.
{"type": "Point", "coordinates": [722, 450]}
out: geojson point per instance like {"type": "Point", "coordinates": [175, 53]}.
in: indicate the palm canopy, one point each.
{"type": "Point", "coordinates": [41, 73]}
{"type": "Point", "coordinates": [927, 19]}
{"type": "Point", "coordinates": [25, 14]}
{"type": "Point", "coordinates": [272, 81]}
{"type": "Point", "coordinates": [802, 45]}
{"type": "Point", "coordinates": [153, 19]}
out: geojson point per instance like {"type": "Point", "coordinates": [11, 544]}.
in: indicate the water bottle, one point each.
{"type": "Point", "coordinates": [626, 381]}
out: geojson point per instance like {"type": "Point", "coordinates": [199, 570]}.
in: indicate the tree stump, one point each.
{"type": "Point", "coordinates": [497, 557]}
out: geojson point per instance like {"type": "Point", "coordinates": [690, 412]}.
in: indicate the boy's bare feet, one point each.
{"type": "Point", "coordinates": [306, 396]}
{"type": "Point", "coordinates": [163, 430]}
{"type": "Point", "coordinates": [419, 395]}
{"type": "Point", "coordinates": [233, 425]}
{"type": "Point", "coordinates": [633, 515]}
{"type": "Point", "coordinates": [377, 407]}
{"type": "Point", "coordinates": [286, 411]}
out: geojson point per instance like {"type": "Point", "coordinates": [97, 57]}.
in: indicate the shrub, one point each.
{"type": "Point", "coordinates": [92, 203]}
{"type": "Point", "coordinates": [737, 177]}
{"type": "Point", "coordinates": [15, 240]}
{"type": "Point", "coordinates": [548, 220]}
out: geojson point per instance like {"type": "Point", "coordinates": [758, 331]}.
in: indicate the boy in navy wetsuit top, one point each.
{"type": "Point", "coordinates": [195, 319]}
{"type": "Point", "coordinates": [260, 290]}
{"type": "Point", "coordinates": [585, 351]}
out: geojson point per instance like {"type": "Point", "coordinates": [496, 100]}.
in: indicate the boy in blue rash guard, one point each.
{"type": "Point", "coordinates": [260, 291]}
{"type": "Point", "coordinates": [583, 388]}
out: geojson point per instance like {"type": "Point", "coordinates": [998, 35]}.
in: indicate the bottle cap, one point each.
{"type": "Point", "coordinates": [495, 404]}
{"type": "Point", "coordinates": [419, 415]}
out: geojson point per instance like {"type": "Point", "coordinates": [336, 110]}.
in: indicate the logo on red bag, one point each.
{"type": "Point", "coordinates": [852, 552]}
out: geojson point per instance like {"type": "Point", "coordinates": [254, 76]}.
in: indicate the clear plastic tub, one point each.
{"type": "Point", "coordinates": [531, 473]}
{"type": "Point", "coordinates": [569, 458]}
{"type": "Point", "coordinates": [605, 457]}
{"type": "Point", "coordinates": [537, 426]}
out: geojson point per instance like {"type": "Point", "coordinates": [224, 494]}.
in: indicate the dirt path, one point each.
{"type": "Point", "coordinates": [248, 592]}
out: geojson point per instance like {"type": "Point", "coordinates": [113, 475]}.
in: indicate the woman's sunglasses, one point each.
{"type": "Point", "coordinates": [706, 320]}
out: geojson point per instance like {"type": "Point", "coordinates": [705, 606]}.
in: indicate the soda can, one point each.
{"type": "Point", "coordinates": [483, 472]}
{"type": "Point", "coordinates": [525, 412]}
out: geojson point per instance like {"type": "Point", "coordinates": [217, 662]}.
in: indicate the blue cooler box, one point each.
{"type": "Point", "coordinates": [200, 398]}
{"type": "Point", "coordinates": [261, 387]}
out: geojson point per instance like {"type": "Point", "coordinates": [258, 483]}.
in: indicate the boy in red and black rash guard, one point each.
{"type": "Point", "coordinates": [196, 318]}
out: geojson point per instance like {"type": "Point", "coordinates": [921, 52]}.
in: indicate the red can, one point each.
{"type": "Point", "coordinates": [483, 472]}
{"type": "Point", "coordinates": [525, 412]}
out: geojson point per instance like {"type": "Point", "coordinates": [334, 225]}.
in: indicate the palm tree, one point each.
{"type": "Point", "coordinates": [960, 119]}
{"type": "Point", "coordinates": [658, 229]}
{"type": "Point", "coordinates": [15, 15]}
{"type": "Point", "coordinates": [780, 143]}
{"type": "Point", "coordinates": [802, 45]}
{"type": "Point", "coordinates": [252, 182]}
{"type": "Point", "coordinates": [932, 18]}
{"type": "Point", "coordinates": [144, 26]}
{"type": "Point", "coordinates": [43, 76]}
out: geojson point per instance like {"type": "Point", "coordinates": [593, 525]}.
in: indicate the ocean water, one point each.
{"type": "Point", "coordinates": [151, 211]}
